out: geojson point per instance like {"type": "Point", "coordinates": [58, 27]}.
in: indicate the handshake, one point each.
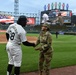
{"type": "Point", "coordinates": [33, 44]}
{"type": "Point", "coordinates": [36, 48]}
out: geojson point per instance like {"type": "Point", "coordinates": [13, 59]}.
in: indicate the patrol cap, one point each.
{"type": "Point", "coordinates": [46, 25]}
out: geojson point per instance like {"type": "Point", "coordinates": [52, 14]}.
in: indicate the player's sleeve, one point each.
{"type": "Point", "coordinates": [24, 39]}
{"type": "Point", "coordinates": [23, 36]}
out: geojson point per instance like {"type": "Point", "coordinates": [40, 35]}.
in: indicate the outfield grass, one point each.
{"type": "Point", "coordinates": [64, 54]}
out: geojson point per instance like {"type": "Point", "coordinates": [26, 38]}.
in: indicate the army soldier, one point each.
{"type": "Point", "coordinates": [44, 45]}
{"type": "Point", "coordinates": [59, 19]}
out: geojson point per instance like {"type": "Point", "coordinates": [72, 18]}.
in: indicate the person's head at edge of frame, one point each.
{"type": "Point", "coordinates": [22, 20]}
{"type": "Point", "coordinates": [45, 27]}
{"type": "Point", "coordinates": [59, 14]}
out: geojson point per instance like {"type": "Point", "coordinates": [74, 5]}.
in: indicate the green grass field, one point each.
{"type": "Point", "coordinates": [64, 54]}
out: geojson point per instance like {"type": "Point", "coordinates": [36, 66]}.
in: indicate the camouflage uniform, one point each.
{"type": "Point", "coordinates": [60, 20]}
{"type": "Point", "coordinates": [45, 42]}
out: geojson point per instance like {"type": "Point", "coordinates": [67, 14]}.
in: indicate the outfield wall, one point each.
{"type": "Point", "coordinates": [53, 29]}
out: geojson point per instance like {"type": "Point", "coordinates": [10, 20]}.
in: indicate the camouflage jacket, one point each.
{"type": "Point", "coordinates": [60, 20]}
{"type": "Point", "coordinates": [45, 40]}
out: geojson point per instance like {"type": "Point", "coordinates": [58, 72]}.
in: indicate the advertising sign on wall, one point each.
{"type": "Point", "coordinates": [6, 19]}
{"type": "Point", "coordinates": [10, 19]}
{"type": "Point", "coordinates": [31, 21]}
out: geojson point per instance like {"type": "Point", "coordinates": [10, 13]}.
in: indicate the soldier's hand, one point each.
{"type": "Point", "coordinates": [38, 48]}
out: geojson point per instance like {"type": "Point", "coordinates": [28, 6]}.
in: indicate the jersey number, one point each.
{"type": "Point", "coordinates": [12, 35]}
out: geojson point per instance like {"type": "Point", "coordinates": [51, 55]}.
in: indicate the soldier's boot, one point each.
{"type": "Point", "coordinates": [40, 73]}
{"type": "Point", "coordinates": [47, 73]}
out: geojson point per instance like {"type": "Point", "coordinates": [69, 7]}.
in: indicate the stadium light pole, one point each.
{"type": "Point", "coordinates": [16, 10]}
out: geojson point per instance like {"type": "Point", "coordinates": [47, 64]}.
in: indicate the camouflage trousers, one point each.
{"type": "Point", "coordinates": [44, 63]}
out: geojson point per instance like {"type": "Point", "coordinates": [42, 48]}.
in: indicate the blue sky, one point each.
{"type": "Point", "coordinates": [26, 6]}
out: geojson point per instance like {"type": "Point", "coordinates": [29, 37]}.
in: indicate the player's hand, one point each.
{"type": "Point", "coordinates": [33, 44]}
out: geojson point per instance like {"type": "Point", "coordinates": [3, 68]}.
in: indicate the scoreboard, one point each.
{"type": "Point", "coordinates": [66, 14]}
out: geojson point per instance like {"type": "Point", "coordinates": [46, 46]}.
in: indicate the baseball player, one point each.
{"type": "Point", "coordinates": [16, 36]}
{"type": "Point", "coordinates": [45, 18]}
